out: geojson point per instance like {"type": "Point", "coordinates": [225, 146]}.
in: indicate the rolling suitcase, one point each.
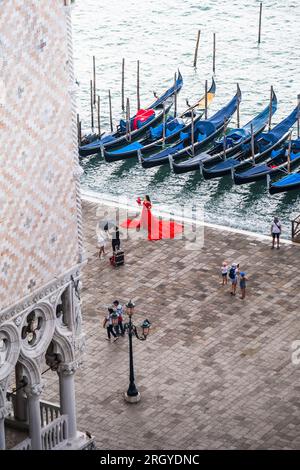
{"type": "Point", "coordinates": [117, 259]}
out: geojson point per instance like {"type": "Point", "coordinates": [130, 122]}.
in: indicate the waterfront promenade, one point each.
{"type": "Point", "coordinates": [216, 371]}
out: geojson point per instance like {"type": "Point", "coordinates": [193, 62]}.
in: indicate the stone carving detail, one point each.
{"type": "Point", "coordinates": [34, 390]}
{"type": "Point", "coordinates": [68, 368]}
{"type": "Point", "coordinates": [77, 311]}
{"type": "Point", "coordinates": [3, 349]}
{"type": "Point", "coordinates": [5, 411]}
{"type": "Point", "coordinates": [31, 330]}
{"type": "Point", "coordinates": [9, 348]}
{"type": "Point", "coordinates": [36, 37]}
{"type": "Point", "coordinates": [44, 293]}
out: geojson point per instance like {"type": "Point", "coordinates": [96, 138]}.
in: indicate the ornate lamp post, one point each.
{"type": "Point", "coordinates": [132, 395]}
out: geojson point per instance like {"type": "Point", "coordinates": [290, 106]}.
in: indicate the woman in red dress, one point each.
{"type": "Point", "coordinates": [155, 228]}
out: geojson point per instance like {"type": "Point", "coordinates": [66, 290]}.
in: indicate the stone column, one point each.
{"type": "Point", "coordinates": [35, 428]}
{"type": "Point", "coordinates": [20, 410]}
{"type": "Point", "coordinates": [67, 395]}
{"type": "Point", "coordinates": [3, 414]}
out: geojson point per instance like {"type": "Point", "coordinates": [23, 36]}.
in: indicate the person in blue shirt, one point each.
{"type": "Point", "coordinates": [243, 280]}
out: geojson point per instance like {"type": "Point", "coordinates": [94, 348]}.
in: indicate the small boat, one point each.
{"type": "Point", "coordinates": [264, 143]}
{"type": "Point", "coordinates": [173, 127]}
{"type": "Point", "coordinates": [204, 132]}
{"type": "Point", "coordinates": [230, 145]}
{"type": "Point", "coordinates": [139, 124]}
{"type": "Point", "coordinates": [278, 163]}
{"type": "Point", "coordinates": [287, 183]}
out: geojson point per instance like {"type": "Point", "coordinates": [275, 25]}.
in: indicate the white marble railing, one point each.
{"type": "Point", "coordinates": [24, 445]}
{"type": "Point", "coordinates": [55, 433]}
{"type": "Point", "coordinates": [49, 412]}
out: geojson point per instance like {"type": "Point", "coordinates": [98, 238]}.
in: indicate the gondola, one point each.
{"type": "Point", "coordinates": [154, 141]}
{"type": "Point", "coordinates": [287, 183]}
{"type": "Point", "coordinates": [278, 163]}
{"type": "Point", "coordinates": [139, 124]}
{"type": "Point", "coordinates": [264, 143]}
{"type": "Point", "coordinates": [232, 144]}
{"type": "Point", "coordinates": [204, 132]}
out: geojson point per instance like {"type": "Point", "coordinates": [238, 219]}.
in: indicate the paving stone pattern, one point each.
{"type": "Point", "coordinates": [216, 371]}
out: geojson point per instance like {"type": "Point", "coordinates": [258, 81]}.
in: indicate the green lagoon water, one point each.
{"type": "Point", "coordinates": [162, 35]}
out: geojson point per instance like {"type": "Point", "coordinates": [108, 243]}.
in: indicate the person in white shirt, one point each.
{"type": "Point", "coordinates": [275, 232]}
{"type": "Point", "coordinates": [120, 330]}
{"type": "Point", "coordinates": [108, 324]}
{"type": "Point", "coordinates": [101, 241]}
{"type": "Point", "coordinates": [224, 272]}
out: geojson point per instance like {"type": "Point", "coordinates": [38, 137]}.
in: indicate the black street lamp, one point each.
{"type": "Point", "coordinates": [132, 395]}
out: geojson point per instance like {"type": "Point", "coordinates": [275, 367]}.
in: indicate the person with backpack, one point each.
{"type": "Point", "coordinates": [233, 276]}
{"type": "Point", "coordinates": [108, 324]}
{"type": "Point", "coordinates": [275, 232]}
{"type": "Point", "coordinates": [119, 309]}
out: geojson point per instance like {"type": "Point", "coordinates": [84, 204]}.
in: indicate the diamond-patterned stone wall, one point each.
{"type": "Point", "coordinates": [40, 233]}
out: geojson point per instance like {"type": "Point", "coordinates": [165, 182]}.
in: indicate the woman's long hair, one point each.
{"type": "Point", "coordinates": [148, 198]}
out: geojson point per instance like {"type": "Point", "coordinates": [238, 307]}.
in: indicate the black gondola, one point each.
{"type": "Point", "coordinates": [234, 141]}
{"type": "Point", "coordinates": [205, 131]}
{"type": "Point", "coordinates": [264, 143]}
{"type": "Point", "coordinates": [118, 138]}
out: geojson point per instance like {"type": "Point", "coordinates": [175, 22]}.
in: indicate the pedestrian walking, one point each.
{"type": "Point", "coordinates": [233, 276]}
{"type": "Point", "coordinates": [276, 230]}
{"type": "Point", "coordinates": [101, 240]}
{"type": "Point", "coordinates": [108, 324]}
{"type": "Point", "coordinates": [224, 272]}
{"type": "Point", "coordinates": [119, 309]}
{"type": "Point", "coordinates": [243, 280]}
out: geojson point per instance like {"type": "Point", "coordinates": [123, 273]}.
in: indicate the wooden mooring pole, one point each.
{"type": "Point", "coordinates": [238, 108]}
{"type": "Point", "coordinates": [78, 130]}
{"type": "Point", "coordinates": [252, 145]}
{"type": "Point", "coordinates": [192, 133]}
{"type": "Point", "coordinates": [224, 138]}
{"type": "Point", "coordinates": [214, 53]}
{"type": "Point", "coordinates": [164, 124]}
{"type": "Point", "coordinates": [138, 86]}
{"type": "Point", "coordinates": [175, 95]}
{"type": "Point", "coordinates": [94, 78]}
{"type": "Point", "coordinates": [128, 124]}
{"type": "Point", "coordinates": [110, 111]}
{"type": "Point", "coordinates": [289, 153]}
{"type": "Point", "coordinates": [98, 115]}
{"type": "Point", "coordinates": [123, 81]}
{"type": "Point", "coordinates": [196, 48]}
{"type": "Point", "coordinates": [92, 109]}
{"type": "Point", "coordinates": [205, 114]}
{"type": "Point", "coordinates": [298, 120]}
{"type": "Point", "coordinates": [270, 108]}
{"type": "Point", "coordinates": [259, 25]}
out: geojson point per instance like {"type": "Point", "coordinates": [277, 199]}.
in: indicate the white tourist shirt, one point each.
{"type": "Point", "coordinates": [276, 228]}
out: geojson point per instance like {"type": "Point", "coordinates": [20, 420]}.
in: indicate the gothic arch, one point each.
{"type": "Point", "coordinates": [10, 349]}
{"type": "Point", "coordinates": [63, 347]}
{"type": "Point", "coordinates": [31, 370]}
{"type": "Point", "coordinates": [43, 326]}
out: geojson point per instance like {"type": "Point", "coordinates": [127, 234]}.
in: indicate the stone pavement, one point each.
{"type": "Point", "coordinates": [216, 371]}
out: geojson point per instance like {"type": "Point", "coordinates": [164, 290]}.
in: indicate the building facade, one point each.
{"type": "Point", "coordinates": [41, 250]}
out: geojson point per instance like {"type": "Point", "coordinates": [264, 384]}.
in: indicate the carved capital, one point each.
{"type": "Point", "coordinates": [5, 411]}
{"type": "Point", "coordinates": [34, 390]}
{"type": "Point", "coordinates": [68, 368]}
